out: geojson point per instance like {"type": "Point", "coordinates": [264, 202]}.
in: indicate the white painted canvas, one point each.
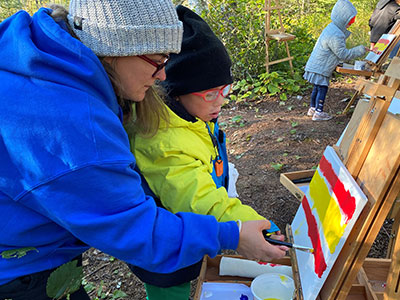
{"type": "Point", "coordinates": [324, 220]}
{"type": "Point", "coordinates": [394, 106]}
{"type": "Point", "coordinates": [380, 47]}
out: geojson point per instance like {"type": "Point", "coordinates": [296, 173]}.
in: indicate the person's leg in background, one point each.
{"type": "Point", "coordinates": [178, 292]}
{"type": "Point", "coordinates": [319, 114]}
{"type": "Point", "coordinates": [313, 102]}
{"type": "Point", "coordinates": [395, 50]}
{"type": "Point", "coordinates": [171, 286]}
{"type": "Point", "coordinates": [321, 95]}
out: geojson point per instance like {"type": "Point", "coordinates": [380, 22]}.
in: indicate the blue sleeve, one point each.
{"type": "Point", "coordinates": [105, 207]}
{"type": "Point", "coordinates": [338, 46]}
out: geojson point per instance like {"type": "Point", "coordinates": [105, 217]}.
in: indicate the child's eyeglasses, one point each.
{"type": "Point", "coordinates": [159, 67]}
{"type": "Point", "coordinates": [213, 94]}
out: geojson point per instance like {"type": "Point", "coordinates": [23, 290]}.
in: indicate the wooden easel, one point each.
{"type": "Point", "coordinates": [371, 153]}
{"type": "Point", "coordinates": [376, 68]}
{"type": "Point", "coordinates": [275, 34]}
{"type": "Point", "coordinates": [370, 149]}
{"type": "Point", "coordinates": [373, 159]}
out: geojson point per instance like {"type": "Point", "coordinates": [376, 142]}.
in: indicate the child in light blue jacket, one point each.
{"type": "Point", "coordinates": [328, 51]}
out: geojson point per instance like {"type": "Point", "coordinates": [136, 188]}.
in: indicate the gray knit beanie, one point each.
{"type": "Point", "coordinates": [126, 27]}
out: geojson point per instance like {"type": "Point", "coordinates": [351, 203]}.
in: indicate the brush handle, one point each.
{"type": "Point", "coordinates": [277, 242]}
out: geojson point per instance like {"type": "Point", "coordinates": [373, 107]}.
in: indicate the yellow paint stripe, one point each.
{"type": "Point", "coordinates": [328, 211]}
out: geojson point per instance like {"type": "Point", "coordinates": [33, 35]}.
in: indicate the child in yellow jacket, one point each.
{"type": "Point", "coordinates": [185, 163]}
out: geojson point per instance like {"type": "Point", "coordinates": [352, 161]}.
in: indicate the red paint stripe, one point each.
{"type": "Point", "coordinates": [319, 260]}
{"type": "Point", "coordinates": [274, 265]}
{"type": "Point", "coordinates": [347, 203]}
{"type": "Point", "coordinates": [267, 264]}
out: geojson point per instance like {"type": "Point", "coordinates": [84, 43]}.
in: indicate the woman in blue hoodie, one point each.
{"type": "Point", "coordinates": [67, 178]}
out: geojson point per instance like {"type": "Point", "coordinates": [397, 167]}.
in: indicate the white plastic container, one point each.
{"type": "Point", "coordinates": [359, 65]}
{"type": "Point", "coordinates": [225, 291]}
{"type": "Point", "coordinates": [231, 266]}
{"type": "Point", "coordinates": [272, 286]}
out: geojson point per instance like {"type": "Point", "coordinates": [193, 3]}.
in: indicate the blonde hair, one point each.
{"type": "Point", "coordinates": [147, 112]}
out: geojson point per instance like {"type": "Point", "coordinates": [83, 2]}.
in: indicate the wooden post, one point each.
{"type": "Point", "coordinates": [394, 271]}
{"type": "Point", "coordinates": [295, 266]}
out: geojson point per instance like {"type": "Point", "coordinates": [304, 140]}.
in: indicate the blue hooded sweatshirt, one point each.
{"type": "Point", "coordinates": [67, 178]}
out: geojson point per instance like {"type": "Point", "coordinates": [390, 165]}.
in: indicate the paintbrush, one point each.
{"type": "Point", "coordinates": [289, 245]}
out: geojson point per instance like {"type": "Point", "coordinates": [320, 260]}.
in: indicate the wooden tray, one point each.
{"type": "Point", "coordinates": [296, 181]}
{"type": "Point", "coordinates": [354, 72]}
{"type": "Point", "coordinates": [370, 280]}
{"type": "Point", "coordinates": [210, 272]}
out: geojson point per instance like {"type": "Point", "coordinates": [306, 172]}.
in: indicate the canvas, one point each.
{"type": "Point", "coordinates": [394, 107]}
{"type": "Point", "coordinates": [324, 220]}
{"type": "Point", "coordinates": [380, 47]}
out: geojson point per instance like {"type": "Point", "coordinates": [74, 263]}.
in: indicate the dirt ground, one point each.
{"type": "Point", "coordinates": [264, 139]}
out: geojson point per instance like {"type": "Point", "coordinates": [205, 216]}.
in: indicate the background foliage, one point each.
{"type": "Point", "coordinates": [9, 7]}
{"type": "Point", "coordinates": [240, 25]}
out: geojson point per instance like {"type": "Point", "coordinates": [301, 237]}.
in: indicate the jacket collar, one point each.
{"type": "Point", "coordinates": [179, 110]}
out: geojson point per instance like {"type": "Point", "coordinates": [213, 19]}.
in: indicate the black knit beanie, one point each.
{"type": "Point", "coordinates": [203, 62]}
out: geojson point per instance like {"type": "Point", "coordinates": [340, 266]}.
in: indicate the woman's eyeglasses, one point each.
{"type": "Point", "coordinates": [159, 67]}
{"type": "Point", "coordinates": [213, 94]}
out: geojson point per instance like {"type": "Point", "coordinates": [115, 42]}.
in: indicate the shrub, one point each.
{"type": "Point", "coordinates": [9, 7]}
{"type": "Point", "coordinates": [240, 24]}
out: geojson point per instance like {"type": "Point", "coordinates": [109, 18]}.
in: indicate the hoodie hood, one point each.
{"type": "Point", "coordinates": [342, 13]}
{"type": "Point", "coordinates": [40, 49]}
{"type": "Point", "coordinates": [49, 78]}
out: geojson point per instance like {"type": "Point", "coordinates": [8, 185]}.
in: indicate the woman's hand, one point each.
{"type": "Point", "coordinates": [253, 245]}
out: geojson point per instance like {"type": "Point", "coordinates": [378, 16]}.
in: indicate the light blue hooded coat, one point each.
{"type": "Point", "coordinates": [331, 45]}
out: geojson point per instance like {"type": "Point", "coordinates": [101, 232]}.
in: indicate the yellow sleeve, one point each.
{"type": "Point", "coordinates": [184, 184]}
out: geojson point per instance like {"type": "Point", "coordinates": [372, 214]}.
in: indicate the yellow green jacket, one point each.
{"type": "Point", "coordinates": [177, 165]}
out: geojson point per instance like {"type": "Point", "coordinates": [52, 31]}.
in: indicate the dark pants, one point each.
{"type": "Point", "coordinates": [318, 96]}
{"type": "Point", "coordinates": [33, 287]}
{"type": "Point", "coordinates": [170, 279]}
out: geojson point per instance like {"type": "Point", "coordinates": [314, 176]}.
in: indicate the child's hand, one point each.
{"type": "Point", "coordinates": [253, 245]}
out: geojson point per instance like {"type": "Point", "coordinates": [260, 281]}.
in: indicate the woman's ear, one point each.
{"type": "Point", "coordinates": [108, 59]}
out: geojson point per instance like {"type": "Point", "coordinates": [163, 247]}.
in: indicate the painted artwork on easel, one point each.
{"type": "Point", "coordinates": [394, 107]}
{"type": "Point", "coordinates": [324, 220]}
{"type": "Point", "coordinates": [380, 47]}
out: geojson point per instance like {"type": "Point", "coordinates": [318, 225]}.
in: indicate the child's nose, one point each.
{"type": "Point", "coordinates": [220, 100]}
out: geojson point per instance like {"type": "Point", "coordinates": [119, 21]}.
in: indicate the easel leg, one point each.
{"type": "Point", "coordinates": [395, 214]}
{"type": "Point", "coordinates": [295, 266]}
{"type": "Point", "coordinates": [392, 284]}
{"type": "Point", "coordinates": [353, 98]}
{"type": "Point", "coordinates": [267, 56]}
{"type": "Point", "coordinates": [288, 55]}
